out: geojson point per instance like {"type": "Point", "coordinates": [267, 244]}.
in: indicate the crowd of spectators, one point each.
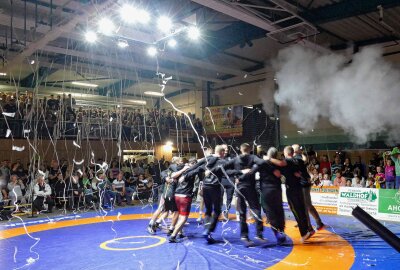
{"type": "Point", "coordinates": [79, 186]}
{"type": "Point", "coordinates": [381, 172]}
{"type": "Point", "coordinates": [60, 116]}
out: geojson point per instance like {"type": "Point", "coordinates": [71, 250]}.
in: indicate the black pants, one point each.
{"type": "Point", "coordinates": [272, 201]}
{"type": "Point", "coordinates": [251, 196]}
{"type": "Point", "coordinates": [310, 209]}
{"type": "Point", "coordinates": [212, 201]}
{"type": "Point", "coordinates": [229, 189]}
{"type": "Point", "coordinates": [296, 203]}
{"type": "Point", "coordinates": [38, 203]}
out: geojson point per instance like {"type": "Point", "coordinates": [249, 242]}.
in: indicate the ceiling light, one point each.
{"type": "Point", "coordinates": [164, 24]}
{"type": "Point", "coordinates": [142, 16]}
{"type": "Point", "coordinates": [32, 62]}
{"type": "Point", "coordinates": [122, 43]}
{"type": "Point", "coordinates": [90, 36]}
{"type": "Point", "coordinates": [106, 26]}
{"type": "Point", "coordinates": [172, 43]}
{"type": "Point", "coordinates": [141, 102]}
{"type": "Point", "coordinates": [85, 84]}
{"type": "Point", "coordinates": [169, 143]}
{"type": "Point", "coordinates": [3, 74]}
{"type": "Point", "coordinates": [152, 51]}
{"type": "Point", "coordinates": [152, 93]}
{"type": "Point", "coordinates": [193, 33]}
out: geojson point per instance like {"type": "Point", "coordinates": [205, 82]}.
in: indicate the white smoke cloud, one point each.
{"type": "Point", "coordinates": [361, 97]}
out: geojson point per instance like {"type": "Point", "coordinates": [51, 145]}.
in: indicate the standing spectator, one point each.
{"type": "Point", "coordinates": [16, 189]}
{"type": "Point", "coordinates": [53, 172]}
{"type": "Point", "coordinates": [370, 183]}
{"type": "Point", "coordinates": [326, 182]}
{"type": "Point", "coordinates": [356, 182]}
{"type": "Point", "coordinates": [118, 187]}
{"type": "Point", "coordinates": [4, 174]}
{"type": "Point", "coordinates": [389, 174]}
{"type": "Point", "coordinates": [41, 195]}
{"type": "Point", "coordinates": [347, 168]}
{"type": "Point", "coordinates": [395, 156]}
{"type": "Point", "coordinates": [361, 166]}
{"type": "Point", "coordinates": [357, 175]}
{"type": "Point", "coordinates": [379, 178]}
{"type": "Point", "coordinates": [339, 181]}
{"type": "Point", "coordinates": [336, 165]}
{"type": "Point", "coordinates": [324, 164]}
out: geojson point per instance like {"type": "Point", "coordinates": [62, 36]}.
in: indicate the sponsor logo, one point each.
{"type": "Point", "coordinates": [368, 195]}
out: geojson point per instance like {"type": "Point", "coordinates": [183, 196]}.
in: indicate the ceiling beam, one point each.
{"type": "Point", "coordinates": [56, 32]}
{"type": "Point", "coordinates": [130, 64]}
{"type": "Point", "coordinates": [345, 9]}
{"type": "Point", "coordinates": [237, 13]}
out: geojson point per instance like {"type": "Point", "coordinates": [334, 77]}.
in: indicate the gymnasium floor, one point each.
{"type": "Point", "coordinates": [118, 240]}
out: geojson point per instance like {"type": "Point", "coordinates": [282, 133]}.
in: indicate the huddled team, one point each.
{"type": "Point", "coordinates": [257, 183]}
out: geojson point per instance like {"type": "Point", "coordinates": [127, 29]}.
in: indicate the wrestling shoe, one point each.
{"type": "Point", "coordinates": [209, 239]}
{"type": "Point", "coordinates": [170, 232]}
{"type": "Point", "coordinates": [312, 232]}
{"type": "Point", "coordinates": [150, 230]}
{"type": "Point", "coordinates": [246, 241]}
{"type": "Point", "coordinates": [280, 237]}
{"type": "Point", "coordinates": [305, 237]}
{"type": "Point", "coordinates": [260, 238]}
{"type": "Point", "coordinates": [199, 220]}
{"type": "Point", "coordinates": [173, 239]}
{"type": "Point", "coordinates": [321, 227]}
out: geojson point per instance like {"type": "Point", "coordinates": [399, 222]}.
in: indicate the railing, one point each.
{"type": "Point", "coordinates": [45, 129]}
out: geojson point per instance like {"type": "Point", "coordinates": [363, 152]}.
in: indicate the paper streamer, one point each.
{"type": "Point", "coordinates": [80, 172]}
{"type": "Point", "coordinates": [18, 149]}
{"type": "Point", "coordinates": [78, 162]}
{"type": "Point", "coordinates": [8, 133]}
{"type": "Point", "coordinates": [9, 114]}
{"type": "Point", "coordinates": [77, 145]}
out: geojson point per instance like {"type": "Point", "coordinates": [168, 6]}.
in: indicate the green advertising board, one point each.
{"type": "Point", "coordinates": [389, 201]}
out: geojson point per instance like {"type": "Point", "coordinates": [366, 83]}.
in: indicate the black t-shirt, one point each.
{"type": "Point", "coordinates": [169, 188]}
{"type": "Point", "coordinates": [241, 162]}
{"type": "Point", "coordinates": [305, 176]}
{"type": "Point", "coordinates": [187, 185]}
{"type": "Point", "coordinates": [267, 178]}
{"type": "Point", "coordinates": [292, 182]}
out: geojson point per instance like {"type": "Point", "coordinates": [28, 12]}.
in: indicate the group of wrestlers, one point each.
{"type": "Point", "coordinates": [257, 183]}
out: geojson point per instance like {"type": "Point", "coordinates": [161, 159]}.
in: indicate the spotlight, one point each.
{"type": "Point", "coordinates": [106, 26]}
{"type": "Point", "coordinates": [172, 43]}
{"type": "Point", "coordinates": [127, 13]}
{"type": "Point", "coordinates": [169, 143]}
{"type": "Point", "coordinates": [32, 62]}
{"type": "Point", "coordinates": [90, 36]}
{"type": "Point", "coordinates": [193, 33]}
{"type": "Point", "coordinates": [164, 24]}
{"type": "Point", "coordinates": [152, 51]}
{"type": "Point", "coordinates": [122, 43]}
{"type": "Point", "coordinates": [3, 74]}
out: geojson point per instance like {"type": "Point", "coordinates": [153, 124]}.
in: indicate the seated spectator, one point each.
{"type": "Point", "coordinates": [106, 196]}
{"type": "Point", "coordinates": [357, 174]}
{"type": "Point", "coordinates": [60, 191]}
{"type": "Point", "coordinates": [379, 178]}
{"type": "Point", "coordinates": [356, 182]}
{"type": "Point", "coordinates": [340, 181]}
{"type": "Point", "coordinates": [75, 192]}
{"type": "Point", "coordinates": [118, 186]}
{"type": "Point", "coordinates": [314, 176]}
{"type": "Point", "coordinates": [370, 183]}
{"type": "Point", "coordinates": [114, 170]}
{"type": "Point", "coordinates": [389, 174]}
{"type": "Point", "coordinates": [16, 189]}
{"type": "Point", "coordinates": [144, 187]}
{"type": "Point", "coordinates": [4, 174]}
{"type": "Point", "coordinates": [4, 213]}
{"type": "Point", "coordinates": [326, 182]}
{"type": "Point", "coordinates": [348, 183]}
{"type": "Point", "coordinates": [87, 190]}
{"type": "Point", "coordinates": [41, 195]}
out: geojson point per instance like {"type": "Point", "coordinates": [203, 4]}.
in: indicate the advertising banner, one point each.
{"type": "Point", "coordinates": [366, 198]}
{"type": "Point", "coordinates": [389, 204]}
{"type": "Point", "coordinates": [325, 199]}
{"type": "Point", "coordinates": [223, 121]}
